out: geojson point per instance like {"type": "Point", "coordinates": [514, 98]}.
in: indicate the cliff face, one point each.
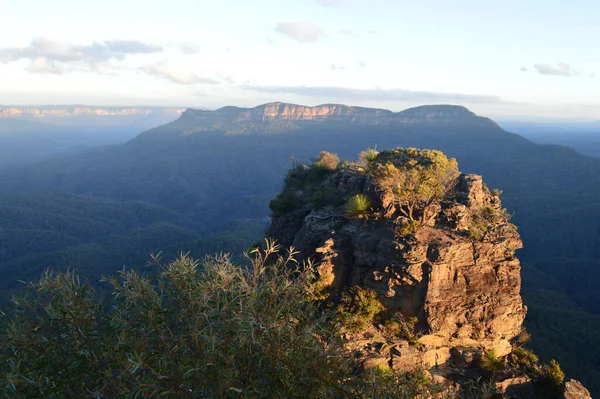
{"type": "Point", "coordinates": [281, 116]}
{"type": "Point", "coordinates": [456, 273]}
{"type": "Point", "coordinates": [463, 291]}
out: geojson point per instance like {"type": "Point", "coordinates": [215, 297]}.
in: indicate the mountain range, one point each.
{"type": "Point", "coordinates": [206, 179]}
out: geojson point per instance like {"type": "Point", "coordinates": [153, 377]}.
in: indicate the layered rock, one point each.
{"type": "Point", "coordinates": [463, 291]}
{"type": "Point", "coordinates": [278, 117]}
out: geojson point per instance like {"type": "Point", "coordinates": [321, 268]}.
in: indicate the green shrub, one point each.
{"type": "Point", "coordinates": [491, 362]}
{"type": "Point", "coordinates": [327, 160]}
{"type": "Point", "coordinates": [358, 308]}
{"type": "Point", "coordinates": [367, 156]}
{"type": "Point", "coordinates": [198, 329]}
{"type": "Point", "coordinates": [524, 356]}
{"type": "Point", "coordinates": [554, 374]}
{"type": "Point", "coordinates": [404, 328]}
{"type": "Point", "coordinates": [357, 206]}
{"type": "Point", "coordinates": [326, 196]}
{"type": "Point", "coordinates": [409, 227]}
{"type": "Point", "coordinates": [285, 202]}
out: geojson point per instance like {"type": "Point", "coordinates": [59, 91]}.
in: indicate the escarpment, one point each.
{"type": "Point", "coordinates": [435, 246]}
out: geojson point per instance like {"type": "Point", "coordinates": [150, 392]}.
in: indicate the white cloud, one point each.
{"type": "Point", "coordinates": [346, 94]}
{"type": "Point", "coordinates": [177, 75]}
{"type": "Point", "coordinates": [189, 48]}
{"type": "Point", "coordinates": [561, 69]}
{"type": "Point", "coordinates": [49, 56]}
{"type": "Point", "coordinates": [301, 31]}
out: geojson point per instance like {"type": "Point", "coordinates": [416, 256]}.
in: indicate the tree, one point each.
{"type": "Point", "coordinates": [416, 178]}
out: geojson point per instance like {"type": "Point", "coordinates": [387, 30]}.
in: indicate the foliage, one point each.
{"type": "Point", "coordinates": [367, 156]}
{"type": "Point", "coordinates": [358, 308]}
{"type": "Point", "coordinates": [327, 160]}
{"type": "Point", "coordinates": [326, 196]}
{"type": "Point", "coordinates": [491, 362]}
{"type": "Point", "coordinates": [285, 202]}
{"type": "Point", "coordinates": [410, 227]}
{"type": "Point", "coordinates": [402, 327]}
{"type": "Point", "coordinates": [200, 329]}
{"type": "Point", "coordinates": [524, 356]}
{"type": "Point", "coordinates": [416, 178]}
{"type": "Point", "coordinates": [197, 329]}
{"type": "Point", "coordinates": [554, 374]}
{"type": "Point", "coordinates": [357, 206]}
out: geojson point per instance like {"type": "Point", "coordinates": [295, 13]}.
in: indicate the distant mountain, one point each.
{"type": "Point", "coordinates": [29, 134]}
{"type": "Point", "coordinates": [222, 167]}
{"type": "Point", "coordinates": [145, 117]}
{"type": "Point", "coordinates": [582, 136]}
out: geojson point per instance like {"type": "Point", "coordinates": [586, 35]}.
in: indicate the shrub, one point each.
{"type": "Point", "coordinates": [524, 356]}
{"type": "Point", "coordinates": [415, 178]}
{"type": "Point", "coordinates": [198, 329]}
{"type": "Point", "coordinates": [554, 374]}
{"type": "Point", "coordinates": [326, 196]}
{"type": "Point", "coordinates": [409, 227]}
{"type": "Point", "coordinates": [327, 160]}
{"type": "Point", "coordinates": [367, 156]}
{"type": "Point", "coordinates": [402, 327]}
{"type": "Point", "coordinates": [357, 206]}
{"type": "Point", "coordinates": [490, 361]}
{"type": "Point", "coordinates": [358, 308]}
{"type": "Point", "coordinates": [285, 202]}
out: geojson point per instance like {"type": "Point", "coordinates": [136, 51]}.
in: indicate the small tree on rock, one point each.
{"type": "Point", "coordinates": [416, 178]}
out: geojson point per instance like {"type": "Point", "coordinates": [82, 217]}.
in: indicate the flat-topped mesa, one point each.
{"type": "Point", "coordinates": [235, 119]}
{"type": "Point", "coordinates": [450, 262]}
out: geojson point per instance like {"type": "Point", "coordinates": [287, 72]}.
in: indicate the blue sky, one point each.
{"type": "Point", "coordinates": [499, 58]}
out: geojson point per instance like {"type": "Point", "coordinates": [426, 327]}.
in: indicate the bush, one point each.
{"type": "Point", "coordinates": [285, 202]}
{"type": "Point", "coordinates": [357, 206]}
{"type": "Point", "coordinates": [327, 160]}
{"type": "Point", "coordinates": [490, 361]}
{"type": "Point", "coordinates": [199, 329]}
{"type": "Point", "coordinates": [367, 156]}
{"type": "Point", "coordinates": [554, 374]}
{"type": "Point", "coordinates": [409, 227]}
{"type": "Point", "coordinates": [403, 328]}
{"type": "Point", "coordinates": [194, 330]}
{"type": "Point", "coordinates": [358, 308]}
{"type": "Point", "coordinates": [326, 196]}
{"type": "Point", "coordinates": [524, 357]}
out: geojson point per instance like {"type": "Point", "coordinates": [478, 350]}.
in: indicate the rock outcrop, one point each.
{"type": "Point", "coordinates": [456, 273]}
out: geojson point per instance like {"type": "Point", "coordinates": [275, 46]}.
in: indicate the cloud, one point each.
{"type": "Point", "coordinates": [301, 31]}
{"type": "Point", "coordinates": [361, 64]}
{"type": "Point", "coordinates": [189, 48]}
{"type": "Point", "coordinates": [176, 75]}
{"type": "Point", "coordinates": [349, 94]}
{"type": "Point", "coordinates": [45, 66]}
{"type": "Point", "coordinates": [332, 3]}
{"type": "Point", "coordinates": [524, 69]}
{"type": "Point", "coordinates": [337, 68]}
{"type": "Point", "coordinates": [226, 78]}
{"type": "Point", "coordinates": [49, 56]}
{"type": "Point", "coordinates": [561, 69]}
{"type": "Point", "coordinates": [347, 32]}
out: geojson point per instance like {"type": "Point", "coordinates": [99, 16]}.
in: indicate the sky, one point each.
{"type": "Point", "coordinates": [506, 58]}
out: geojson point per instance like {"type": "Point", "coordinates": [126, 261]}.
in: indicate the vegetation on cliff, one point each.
{"type": "Point", "coordinates": [197, 329]}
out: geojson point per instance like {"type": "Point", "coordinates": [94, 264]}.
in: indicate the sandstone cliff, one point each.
{"type": "Point", "coordinates": [456, 273]}
{"type": "Point", "coordinates": [278, 117]}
